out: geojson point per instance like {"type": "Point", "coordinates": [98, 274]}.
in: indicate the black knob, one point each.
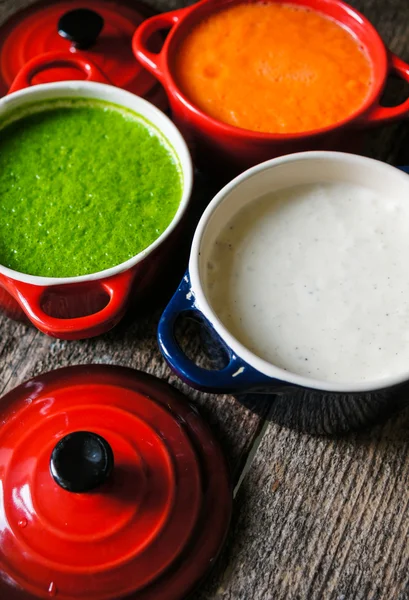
{"type": "Point", "coordinates": [81, 462]}
{"type": "Point", "coordinates": [81, 26]}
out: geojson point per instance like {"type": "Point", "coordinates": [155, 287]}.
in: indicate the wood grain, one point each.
{"type": "Point", "coordinates": [320, 518]}
{"type": "Point", "coordinates": [315, 518]}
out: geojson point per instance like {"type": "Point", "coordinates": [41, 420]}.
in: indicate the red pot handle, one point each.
{"type": "Point", "coordinates": [50, 60]}
{"type": "Point", "coordinates": [152, 61]}
{"type": "Point", "coordinates": [381, 114]}
{"type": "Point", "coordinates": [118, 288]}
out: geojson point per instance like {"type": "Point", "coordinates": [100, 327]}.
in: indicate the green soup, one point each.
{"type": "Point", "coordinates": [84, 186]}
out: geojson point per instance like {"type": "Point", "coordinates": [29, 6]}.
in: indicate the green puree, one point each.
{"type": "Point", "coordinates": [84, 186]}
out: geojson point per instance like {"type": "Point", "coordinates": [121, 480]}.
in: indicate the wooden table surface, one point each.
{"type": "Point", "coordinates": [315, 517]}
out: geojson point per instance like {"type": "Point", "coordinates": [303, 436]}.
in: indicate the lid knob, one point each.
{"type": "Point", "coordinates": [81, 462]}
{"type": "Point", "coordinates": [81, 26]}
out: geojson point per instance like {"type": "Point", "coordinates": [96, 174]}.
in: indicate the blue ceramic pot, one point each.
{"type": "Point", "coordinates": [294, 400]}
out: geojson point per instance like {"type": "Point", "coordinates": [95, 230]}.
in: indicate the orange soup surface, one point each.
{"type": "Point", "coordinates": [273, 68]}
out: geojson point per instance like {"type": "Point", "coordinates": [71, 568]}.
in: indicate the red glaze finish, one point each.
{"type": "Point", "coordinates": [56, 60]}
{"type": "Point", "coordinates": [31, 297]}
{"type": "Point", "coordinates": [152, 531]}
{"type": "Point", "coordinates": [33, 32]}
{"type": "Point", "coordinates": [83, 310]}
{"type": "Point", "coordinates": [242, 148]}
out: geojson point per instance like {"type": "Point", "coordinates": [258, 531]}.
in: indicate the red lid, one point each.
{"type": "Point", "coordinates": [35, 31]}
{"type": "Point", "coordinates": [111, 486]}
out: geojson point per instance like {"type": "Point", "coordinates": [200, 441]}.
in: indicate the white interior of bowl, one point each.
{"type": "Point", "coordinates": [100, 91]}
{"type": "Point", "coordinates": [284, 172]}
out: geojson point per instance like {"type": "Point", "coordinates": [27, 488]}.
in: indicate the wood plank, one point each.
{"type": "Point", "coordinates": [315, 518]}
{"type": "Point", "coordinates": [320, 518]}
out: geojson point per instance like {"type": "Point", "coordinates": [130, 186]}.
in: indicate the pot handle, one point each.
{"type": "Point", "coordinates": [152, 61]}
{"type": "Point", "coordinates": [237, 377]}
{"type": "Point", "coordinates": [382, 114]}
{"type": "Point", "coordinates": [29, 297]}
{"type": "Point", "coordinates": [50, 60]}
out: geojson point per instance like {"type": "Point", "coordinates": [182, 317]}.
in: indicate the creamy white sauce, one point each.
{"type": "Point", "coordinates": [315, 280]}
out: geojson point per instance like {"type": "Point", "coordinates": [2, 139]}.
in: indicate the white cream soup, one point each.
{"type": "Point", "coordinates": [315, 279]}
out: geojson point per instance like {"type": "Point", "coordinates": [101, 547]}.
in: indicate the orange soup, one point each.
{"type": "Point", "coordinates": [273, 68]}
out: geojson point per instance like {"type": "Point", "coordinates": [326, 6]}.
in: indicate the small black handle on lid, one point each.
{"type": "Point", "coordinates": [81, 462]}
{"type": "Point", "coordinates": [81, 26]}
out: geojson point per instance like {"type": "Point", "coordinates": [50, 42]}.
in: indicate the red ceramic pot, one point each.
{"type": "Point", "coordinates": [111, 486]}
{"type": "Point", "coordinates": [86, 306]}
{"type": "Point", "coordinates": [244, 148]}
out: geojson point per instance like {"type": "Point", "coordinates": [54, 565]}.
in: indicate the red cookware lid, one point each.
{"type": "Point", "coordinates": [111, 486]}
{"type": "Point", "coordinates": [100, 30]}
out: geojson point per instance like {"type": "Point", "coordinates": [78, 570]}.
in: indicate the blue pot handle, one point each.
{"type": "Point", "coordinates": [237, 377]}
